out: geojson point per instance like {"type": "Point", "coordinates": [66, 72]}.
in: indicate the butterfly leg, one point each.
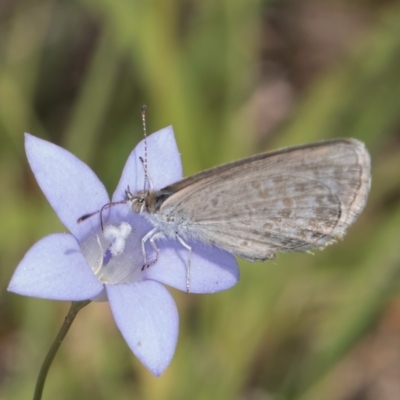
{"type": "Point", "coordinates": [186, 246]}
{"type": "Point", "coordinates": [145, 238]}
{"type": "Point", "coordinates": [154, 246]}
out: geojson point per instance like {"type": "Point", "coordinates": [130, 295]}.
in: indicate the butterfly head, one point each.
{"type": "Point", "coordinates": [141, 201]}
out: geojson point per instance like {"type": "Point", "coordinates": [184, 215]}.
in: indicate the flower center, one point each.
{"type": "Point", "coordinates": [114, 254]}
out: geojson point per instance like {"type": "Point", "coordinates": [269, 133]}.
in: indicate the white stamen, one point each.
{"type": "Point", "coordinates": [117, 236]}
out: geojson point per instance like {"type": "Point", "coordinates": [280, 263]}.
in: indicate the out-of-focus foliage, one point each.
{"type": "Point", "coordinates": [234, 78]}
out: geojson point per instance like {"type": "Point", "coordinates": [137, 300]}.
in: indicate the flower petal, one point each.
{"type": "Point", "coordinates": [147, 317]}
{"type": "Point", "coordinates": [54, 268]}
{"type": "Point", "coordinates": [212, 269]}
{"type": "Point", "coordinates": [70, 186]}
{"type": "Point", "coordinates": [163, 163]}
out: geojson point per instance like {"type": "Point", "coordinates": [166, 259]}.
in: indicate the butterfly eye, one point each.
{"type": "Point", "coordinates": [142, 204]}
{"type": "Point", "coordinates": [138, 204]}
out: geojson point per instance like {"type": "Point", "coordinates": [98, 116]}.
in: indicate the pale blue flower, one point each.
{"type": "Point", "coordinates": [91, 263]}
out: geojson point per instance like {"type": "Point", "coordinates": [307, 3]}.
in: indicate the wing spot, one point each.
{"type": "Point", "coordinates": [215, 201]}
{"type": "Point", "coordinates": [268, 226]}
{"type": "Point", "coordinates": [285, 213]}
{"type": "Point", "coordinates": [288, 203]}
{"type": "Point", "coordinates": [264, 194]}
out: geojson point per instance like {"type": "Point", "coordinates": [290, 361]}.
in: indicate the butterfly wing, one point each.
{"type": "Point", "coordinates": [295, 199]}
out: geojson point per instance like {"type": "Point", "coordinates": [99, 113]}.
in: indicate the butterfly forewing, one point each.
{"type": "Point", "coordinates": [290, 200]}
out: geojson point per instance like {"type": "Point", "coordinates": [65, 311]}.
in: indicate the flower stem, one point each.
{"type": "Point", "coordinates": [76, 306]}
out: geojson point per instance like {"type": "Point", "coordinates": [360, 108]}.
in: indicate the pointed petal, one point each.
{"type": "Point", "coordinates": [54, 268]}
{"type": "Point", "coordinates": [70, 186]}
{"type": "Point", "coordinates": [163, 163]}
{"type": "Point", "coordinates": [147, 317]}
{"type": "Point", "coordinates": [212, 269]}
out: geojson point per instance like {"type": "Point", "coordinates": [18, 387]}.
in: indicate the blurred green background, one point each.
{"type": "Point", "coordinates": [234, 77]}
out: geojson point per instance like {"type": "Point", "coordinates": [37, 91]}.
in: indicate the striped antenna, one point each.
{"type": "Point", "coordinates": [144, 108]}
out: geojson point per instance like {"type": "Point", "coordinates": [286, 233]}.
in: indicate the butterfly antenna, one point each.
{"type": "Point", "coordinates": [144, 108]}
{"type": "Point", "coordinates": [86, 216]}
{"type": "Point", "coordinates": [100, 212]}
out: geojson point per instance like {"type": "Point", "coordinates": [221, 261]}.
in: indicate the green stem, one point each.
{"type": "Point", "coordinates": [76, 306]}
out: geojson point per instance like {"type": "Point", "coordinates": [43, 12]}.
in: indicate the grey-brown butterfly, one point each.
{"type": "Point", "coordinates": [294, 199]}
